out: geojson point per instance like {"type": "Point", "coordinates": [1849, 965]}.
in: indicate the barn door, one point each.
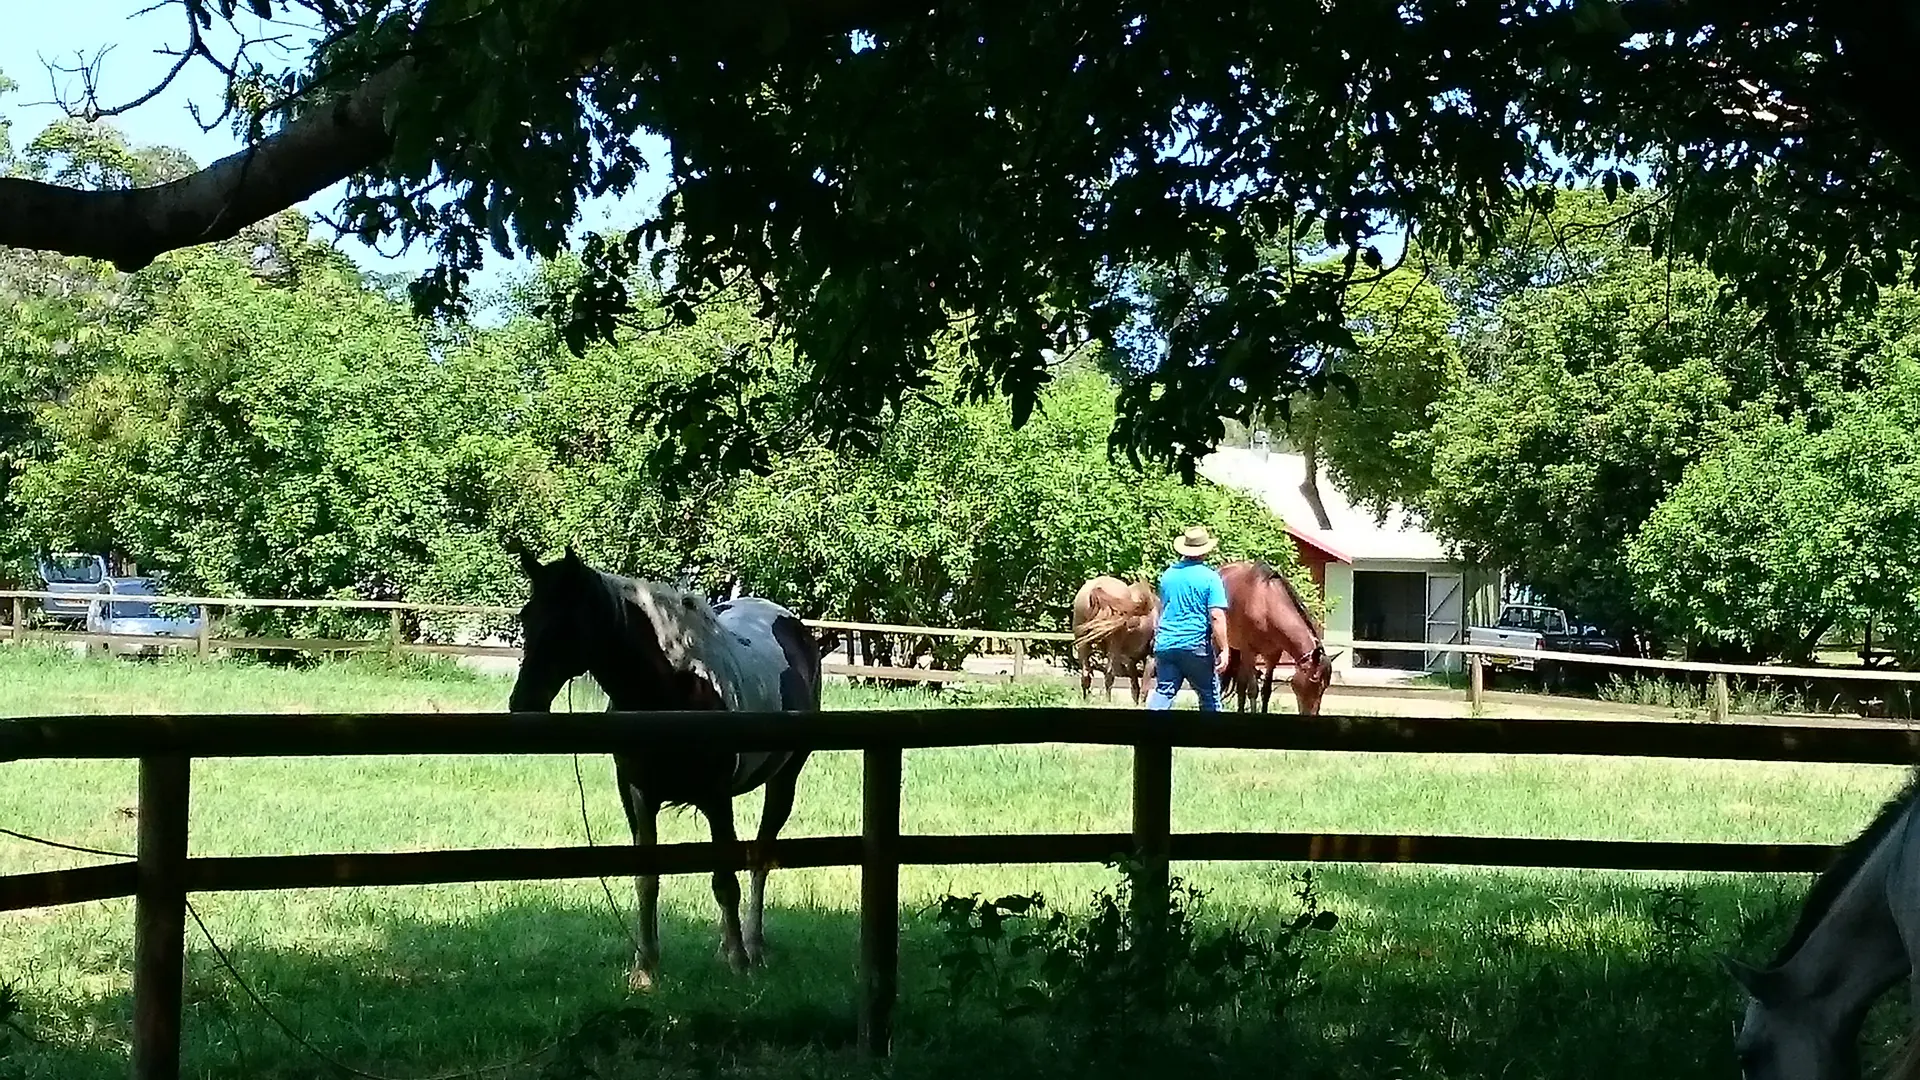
{"type": "Point", "coordinates": [1445, 609]}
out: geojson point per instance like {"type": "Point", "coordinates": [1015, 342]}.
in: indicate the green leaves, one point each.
{"type": "Point", "coordinates": [1373, 433]}
{"type": "Point", "coordinates": [961, 519]}
{"type": "Point", "coordinates": [240, 438]}
{"type": "Point", "coordinates": [1108, 982]}
{"type": "Point", "coordinates": [10, 1010]}
{"type": "Point", "coordinates": [1020, 167]}
{"type": "Point", "coordinates": [298, 433]}
{"type": "Point", "coordinates": [1791, 527]}
{"type": "Point", "coordinates": [1613, 182]}
{"type": "Point", "coordinates": [1024, 165]}
{"type": "Point", "coordinates": [1593, 397]}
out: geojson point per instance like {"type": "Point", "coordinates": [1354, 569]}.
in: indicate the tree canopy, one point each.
{"type": "Point", "coordinates": [877, 173]}
{"type": "Point", "coordinates": [1592, 400]}
{"type": "Point", "coordinates": [1603, 424]}
{"type": "Point", "coordinates": [284, 428]}
{"type": "Point", "coordinates": [1789, 526]}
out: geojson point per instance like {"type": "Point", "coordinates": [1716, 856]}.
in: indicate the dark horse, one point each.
{"type": "Point", "coordinates": [653, 647]}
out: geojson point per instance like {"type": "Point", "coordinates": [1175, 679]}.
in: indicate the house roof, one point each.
{"type": "Point", "coordinates": [1355, 535]}
{"type": "Point", "coordinates": [1319, 544]}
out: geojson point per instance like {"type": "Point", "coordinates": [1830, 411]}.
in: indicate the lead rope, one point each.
{"type": "Point", "coordinates": [586, 823]}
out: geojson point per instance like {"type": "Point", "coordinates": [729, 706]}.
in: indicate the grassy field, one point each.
{"type": "Point", "coordinates": [1430, 972]}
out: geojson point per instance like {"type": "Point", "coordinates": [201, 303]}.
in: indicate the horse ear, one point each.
{"type": "Point", "coordinates": [573, 557]}
{"type": "Point", "coordinates": [1757, 982]}
{"type": "Point", "coordinates": [528, 562]}
{"type": "Point", "coordinates": [1331, 656]}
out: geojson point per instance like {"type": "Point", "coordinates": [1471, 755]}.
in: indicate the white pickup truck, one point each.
{"type": "Point", "coordinates": [1537, 628]}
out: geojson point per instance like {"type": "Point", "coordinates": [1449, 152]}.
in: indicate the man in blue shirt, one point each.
{"type": "Point", "coordinates": [1190, 644]}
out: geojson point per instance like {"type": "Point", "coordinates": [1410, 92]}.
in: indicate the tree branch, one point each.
{"type": "Point", "coordinates": [130, 228]}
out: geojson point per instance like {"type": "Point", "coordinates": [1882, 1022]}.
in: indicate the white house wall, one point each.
{"type": "Point", "coordinates": [1479, 592]}
{"type": "Point", "coordinates": [1339, 621]}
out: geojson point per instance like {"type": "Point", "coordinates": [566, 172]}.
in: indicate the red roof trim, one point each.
{"type": "Point", "coordinates": [1320, 545]}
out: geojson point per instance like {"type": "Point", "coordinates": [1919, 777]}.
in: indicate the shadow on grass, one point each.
{"type": "Point", "coordinates": [1431, 974]}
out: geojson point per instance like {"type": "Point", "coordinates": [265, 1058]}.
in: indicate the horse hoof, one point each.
{"type": "Point", "coordinates": [736, 959]}
{"type": "Point", "coordinates": [756, 954]}
{"type": "Point", "coordinates": [641, 981]}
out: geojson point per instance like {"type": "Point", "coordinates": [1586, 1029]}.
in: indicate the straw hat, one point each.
{"type": "Point", "coordinates": [1195, 542]}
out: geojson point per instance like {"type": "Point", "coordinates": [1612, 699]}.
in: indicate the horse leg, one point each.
{"type": "Point", "coordinates": [642, 815]}
{"type": "Point", "coordinates": [1111, 672]}
{"type": "Point", "coordinates": [726, 887]}
{"type": "Point", "coordinates": [773, 816]}
{"type": "Point", "coordinates": [1266, 688]}
{"type": "Point", "coordinates": [1084, 653]}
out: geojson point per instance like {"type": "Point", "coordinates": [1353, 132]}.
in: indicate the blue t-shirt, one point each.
{"type": "Point", "coordinates": [1189, 590]}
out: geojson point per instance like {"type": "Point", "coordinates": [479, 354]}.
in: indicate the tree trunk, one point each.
{"type": "Point", "coordinates": [1809, 643]}
{"type": "Point", "coordinates": [1310, 487]}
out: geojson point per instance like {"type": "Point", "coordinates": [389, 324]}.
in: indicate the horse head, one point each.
{"type": "Point", "coordinates": [557, 628]}
{"type": "Point", "coordinates": [1311, 677]}
{"type": "Point", "coordinates": [1784, 1033]}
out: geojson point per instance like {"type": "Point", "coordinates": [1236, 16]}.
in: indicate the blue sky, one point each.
{"type": "Point", "coordinates": [57, 32]}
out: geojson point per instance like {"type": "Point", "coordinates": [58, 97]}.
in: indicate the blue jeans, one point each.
{"type": "Point", "coordinates": [1193, 666]}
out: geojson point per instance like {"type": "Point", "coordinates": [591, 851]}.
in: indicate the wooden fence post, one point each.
{"type": "Point", "coordinates": [1476, 684]}
{"type": "Point", "coordinates": [19, 621]}
{"type": "Point", "coordinates": [394, 641]}
{"type": "Point", "coordinates": [879, 898]}
{"type": "Point", "coordinates": [1718, 705]}
{"type": "Point", "coordinates": [206, 631]}
{"type": "Point", "coordinates": [160, 917]}
{"type": "Point", "coordinates": [1019, 657]}
{"type": "Point", "coordinates": [1152, 828]}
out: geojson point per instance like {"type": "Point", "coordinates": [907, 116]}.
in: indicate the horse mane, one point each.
{"type": "Point", "coordinates": [1293, 593]}
{"type": "Point", "coordinates": [1846, 863]}
{"type": "Point", "coordinates": [685, 625]}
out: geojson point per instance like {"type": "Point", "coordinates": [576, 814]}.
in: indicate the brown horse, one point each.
{"type": "Point", "coordinates": [1267, 622]}
{"type": "Point", "coordinates": [1120, 620]}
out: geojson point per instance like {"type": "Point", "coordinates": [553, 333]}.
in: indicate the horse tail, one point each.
{"type": "Point", "coordinates": [1099, 628]}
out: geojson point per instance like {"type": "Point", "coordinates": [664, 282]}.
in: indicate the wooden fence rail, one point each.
{"type": "Point", "coordinates": [209, 642]}
{"type": "Point", "coordinates": [162, 874]}
{"type": "Point", "coordinates": [1017, 641]}
{"type": "Point", "coordinates": [331, 734]}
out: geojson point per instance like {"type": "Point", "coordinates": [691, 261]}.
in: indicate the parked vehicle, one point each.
{"type": "Point", "coordinates": [70, 573]}
{"type": "Point", "coordinates": [124, 614]}
{"type": "Point", "coordinates": [1538, 628]}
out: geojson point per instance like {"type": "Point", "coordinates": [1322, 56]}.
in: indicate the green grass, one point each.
{"type": "Point", "coordinates": [1690, 699]}
{"type": "Point", "coordinates": [1432, 972]}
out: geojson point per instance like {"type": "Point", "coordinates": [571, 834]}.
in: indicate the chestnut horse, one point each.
{"type": "Point", "coordinates": [1267, 622]}
{"type": "Point", "coordinates": [1120, 620]}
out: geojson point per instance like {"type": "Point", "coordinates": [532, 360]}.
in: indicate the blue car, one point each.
{"type": "Point", "coordinates": [77, 578]}
{"type": "Point", "coordinates": [121, 613]}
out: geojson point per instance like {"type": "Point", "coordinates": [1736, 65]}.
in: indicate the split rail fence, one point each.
{"type": "Point", "coordinates": [210, 641]}
{"type": "Point", "coordinates": [163, 873]}
{"type": "Point", "coordinates": [1478, 658]}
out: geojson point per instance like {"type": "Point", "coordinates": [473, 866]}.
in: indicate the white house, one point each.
{"type": "Point", "coordinates": [1385, 580]}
